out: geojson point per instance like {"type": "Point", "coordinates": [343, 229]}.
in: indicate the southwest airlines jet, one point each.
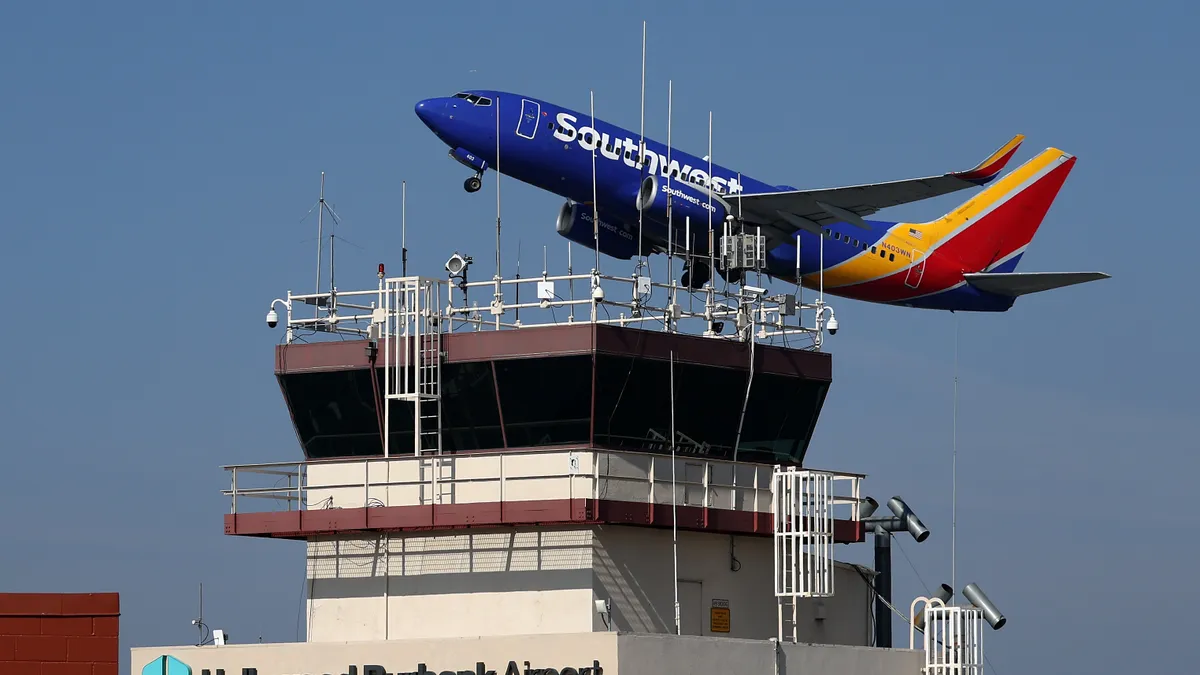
{"type": "Point", "coordinates": [963, 261]}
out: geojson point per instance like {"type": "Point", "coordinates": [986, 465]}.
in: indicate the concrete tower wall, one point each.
{"type": "Point", "coordinates": [541, 581]}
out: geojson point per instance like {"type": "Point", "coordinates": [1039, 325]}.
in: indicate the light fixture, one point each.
{"type": "Point", "coordinates": [976, 597]}
{"type": "Point", "coordinates": [457, 264]}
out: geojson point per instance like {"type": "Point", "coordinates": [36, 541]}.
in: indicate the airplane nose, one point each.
{"type": "Point", "coordinates": [427, 110]}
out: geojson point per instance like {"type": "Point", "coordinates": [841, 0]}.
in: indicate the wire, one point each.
{"type": "Point", "coordinates": [910, 564]}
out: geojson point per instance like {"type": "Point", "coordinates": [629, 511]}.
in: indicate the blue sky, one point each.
{"type": "Point", "coordinates": [157, 160]}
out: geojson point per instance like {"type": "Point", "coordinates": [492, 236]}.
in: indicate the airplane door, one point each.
{"type": "Point", "coordinates": [531, 111]}
{"type": "Point", "coordinates": [917, 271]}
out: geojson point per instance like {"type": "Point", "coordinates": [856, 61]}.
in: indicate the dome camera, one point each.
{"type": "Point", "coordinates": [272, 318]}
{"type": "Point", "coordinates": [832, 325]}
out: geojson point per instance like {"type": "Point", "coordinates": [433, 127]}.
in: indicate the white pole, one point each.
{"type": "Point", "coordinates": [498, 295]}
{"type": "Point", "coordinates": [595, 207]}
{"type": "Point", "coordinates": [954, 468]}
{"type": "Point", "coordinates": [642, 139]}
{"type": "Point", "coordinates": [674, 501]}
{"type": "Point", "coordinates": [320, 242]}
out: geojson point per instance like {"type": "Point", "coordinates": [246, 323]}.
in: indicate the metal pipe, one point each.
{"type": "Point", "coordinates": [883, 588]}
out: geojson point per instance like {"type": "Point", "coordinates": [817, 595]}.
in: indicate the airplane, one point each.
{"type": "Point", "coordinates": [962, 261]}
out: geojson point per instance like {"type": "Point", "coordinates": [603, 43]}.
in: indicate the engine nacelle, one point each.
{"type": "Point", "coordinates": [685, 203]}
{"type": "Point", "coordinates": [575, 223]}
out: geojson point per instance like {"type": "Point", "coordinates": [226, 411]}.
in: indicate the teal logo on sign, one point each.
{"type": "Point", "coordinates": [167, 665]}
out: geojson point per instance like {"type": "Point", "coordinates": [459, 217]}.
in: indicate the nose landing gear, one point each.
{"type": "Point", "coordinates": [473, 162]}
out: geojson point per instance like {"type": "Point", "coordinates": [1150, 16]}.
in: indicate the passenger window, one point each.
{"type": "Point", "coordinates": [892, 257]}
{"type": "Point", "coordinates": [872, 249]}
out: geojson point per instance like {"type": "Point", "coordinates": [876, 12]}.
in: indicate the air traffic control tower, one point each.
{"type": "Point", "coordinates": [571, 484]}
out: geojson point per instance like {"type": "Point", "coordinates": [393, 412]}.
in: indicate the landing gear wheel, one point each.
{"type": "Point", "coordinates": [473, 184]}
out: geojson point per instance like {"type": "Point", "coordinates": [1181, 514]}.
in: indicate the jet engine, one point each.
{"type": "Point", "coordinates": [685, 203]}
{"type": "Point", "coordinates": [575, 223]}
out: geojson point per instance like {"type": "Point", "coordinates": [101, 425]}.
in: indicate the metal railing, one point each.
{"type": "Point", "coordinates": [515, 476]}
{"type": "Point", "coordinates": [753, 313]}
{"type": "Point", "coordinates": [953, 637]}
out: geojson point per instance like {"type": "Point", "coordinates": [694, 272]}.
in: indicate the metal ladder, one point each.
{"type": "Point", "coordinates": [428, 401]}
{"type": "Point", "coordinates": [803, 531]}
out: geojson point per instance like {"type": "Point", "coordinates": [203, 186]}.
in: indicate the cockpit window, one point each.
{"type": "Point", "coordinates": [474, 99]}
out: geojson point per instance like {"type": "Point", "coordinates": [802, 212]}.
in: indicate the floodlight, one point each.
{"type": "Point", "coordinates": [914, 525]}
{"type": "Point", "coordinates": [604, 609]}
{"type": "Point", "coordinates": [976, 597]}
{"type": "Point", "coordinates": [944, 594]}
{"type": "Point", "coordinates": [867, 507]}
{"type": "Point", "coordinates": [457, 263]}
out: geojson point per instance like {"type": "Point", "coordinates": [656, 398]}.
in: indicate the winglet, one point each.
{"type": "Point", "coordinates": [991, 167]}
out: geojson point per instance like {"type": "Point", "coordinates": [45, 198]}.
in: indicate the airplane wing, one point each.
{"type": "Point", "coordinates": [811, 209]}
{"type": "Point", "coordinates": [1014, 284]}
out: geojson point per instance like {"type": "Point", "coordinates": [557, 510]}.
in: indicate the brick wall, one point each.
{"type": "Point", "coordinates": [59, 633]}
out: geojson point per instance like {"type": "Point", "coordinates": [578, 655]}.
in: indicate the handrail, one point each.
{"type": "Point", "coordinates": [747, 496]}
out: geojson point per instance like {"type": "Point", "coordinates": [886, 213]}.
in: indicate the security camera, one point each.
{"type": "Point", "coordinates": [754, 290]}
{"type": "Point", "coordinates": [272, 318]}
{"type": "Point", "coordinates": [832, 325]}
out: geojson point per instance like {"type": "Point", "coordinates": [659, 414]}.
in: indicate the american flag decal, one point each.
{"type": "Point", "coordinates": [914, 233]}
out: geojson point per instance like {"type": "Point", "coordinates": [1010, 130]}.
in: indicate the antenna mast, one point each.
{"type": "Point", "coordinates": [642, 143]}
{"type": "Point", "coordinates": [595, 208]}
{"type": "Point", "coordinates": [403, 228]}
{"type": "Point", "coordinates": [498, 296]}
{"type": "Point", "coordinates": [669, 171]}
{"type": "Point", "coordinates": [200, 617]}
{"type": "Point", "coordinates": [954, 467]}
{"type": "Point", "coordinates": [674, 501]}
{"type": "Point", "coordinates": [320, 241]}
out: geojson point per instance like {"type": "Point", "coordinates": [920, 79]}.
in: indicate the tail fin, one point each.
{"type": "Point", "coordinates": [990, 232]}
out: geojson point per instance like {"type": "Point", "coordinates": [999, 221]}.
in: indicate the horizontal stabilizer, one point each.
{"type": "Point", "coordinates": [1014, 284]}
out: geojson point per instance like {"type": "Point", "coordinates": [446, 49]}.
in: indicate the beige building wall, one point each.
{"type": "Point", "coordinates": [436, 585]}
{"type": "Point", "coordinates": [633, 567]}
{"type": "Point", "coordinates": [599, 653]}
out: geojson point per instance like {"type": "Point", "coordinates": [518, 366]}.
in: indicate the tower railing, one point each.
{"type": "Point", "coordinates": [953, 637]}
{"type": "Point", "coordinates": [734, 312]}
